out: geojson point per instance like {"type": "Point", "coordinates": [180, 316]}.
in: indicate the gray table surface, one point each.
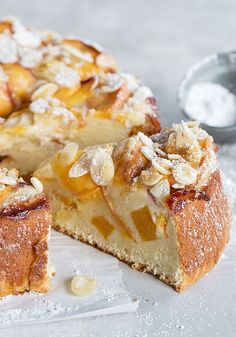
{"type": "Point", "coordinates": [157, 40]}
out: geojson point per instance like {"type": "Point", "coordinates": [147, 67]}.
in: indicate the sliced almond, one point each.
{"type": "Point", "coordinates": [82, 166]}
{"type": "Point", "coordinates": [102, 168]}
{"type": "Point", "coordinates": [148, 152]}
{"type": "Point", "coordinates": [163, 165]}
{"type": "Point", "coordinates": [174, 156]}
{"type": "Point", "coordinates": [110, 82]}
{"type": "Point", "coordinates": [83, 285]}
{"type": "Point", "coordinates": [150, 176]}
{"type": "Point", "coordinates": [77, 53]}
{"type": "Point", "coordinates": [106, 61]}
{"type": "Point", "coordinates": [145, 139]}
{"type": "Point", "coordinates": [45, 91]}
{"type": "Point", "coordinates": [184, 174]}
{"type": "Point", "coordinates": [8, 177]}
{"type": "Point", "coordinates": [68, 154]}
{"type": "Point", "coordinates": [161, 189]}
{"type": "Point", "coordinates": [37, 184]}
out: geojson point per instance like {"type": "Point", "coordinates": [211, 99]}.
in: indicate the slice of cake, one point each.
{"type": "Point", "coordinates": [156, 203]}
{"type": "Point", "coordinates": [24, 233]}
{"type": "Point", "coordinates": [55, 90]}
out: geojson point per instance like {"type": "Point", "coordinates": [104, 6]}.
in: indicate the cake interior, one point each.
{"type": "Point", "coordinates": [124, 222]}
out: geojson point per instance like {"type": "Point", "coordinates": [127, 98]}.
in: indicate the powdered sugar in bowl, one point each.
{"type": "Point", "coordinates": [207, 93]}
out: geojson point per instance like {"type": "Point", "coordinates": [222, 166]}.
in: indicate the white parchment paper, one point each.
{"type": "Point", "coordinates": [71, 257]}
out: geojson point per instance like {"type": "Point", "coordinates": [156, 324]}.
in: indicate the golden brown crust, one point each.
{"type": "Point", "coordinates": [202, 227]}
{"type": "Point", "coordinates": [23, 241]}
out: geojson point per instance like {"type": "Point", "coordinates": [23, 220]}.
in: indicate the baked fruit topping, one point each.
{"type": "Point", "coordinates": [55, 90]}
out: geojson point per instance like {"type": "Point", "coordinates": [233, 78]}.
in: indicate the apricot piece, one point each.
{"type": "Point", "coordinates": [83, 186]}
{"type": "Point", "coordinates": [88, 70]}
{"type": "Point", "coordinates": [4, 26]}
{"type": "Point", "coordinates": [143, 222]}
{"type": "Point", "coordinates": [103, 226]}
{"type": "Point", "coordinates": [20, 81]}
{"type": "Point", "coordinates": [161, 224]}
{"type": "Point", "coordinates": [74, 97]}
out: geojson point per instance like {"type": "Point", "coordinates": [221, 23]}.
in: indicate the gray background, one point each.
{"type": "Point", "coordinates": [157, 41]}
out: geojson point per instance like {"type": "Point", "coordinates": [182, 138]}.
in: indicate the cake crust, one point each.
{"type": "Point", "coordinates": [24, 230]}
{"type": "Point", "coordinates": [203, 229]}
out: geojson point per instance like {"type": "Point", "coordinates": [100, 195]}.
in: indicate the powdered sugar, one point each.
{"type": "Point", "coordinates": [8, 50]}
{"type": "Point", "coordinates": [211, 104]}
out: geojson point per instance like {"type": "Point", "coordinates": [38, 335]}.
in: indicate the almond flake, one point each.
{"type": "Point", "coordinates": [176, 186]}
{"type": "Point", "coordinates": [68, 154]}
{"type": "Point", "coordinates": [83, 286]}
{"type": "Point", "coordinates": [174, 156]}
{"type": "Point", "coordinates": [82, 166]}
{"type": "Point", "coordinates": [145, 140]}
{"type": "Point", "coordinates": [8, 177]}
{"type": "Point", "coordinates": [161, 189]}
{"type": "Point", "coordinates": [184, 174]}
{"type": "Point", "coordinates": [106, 61]}
{"type": "Point", "coordinates": [148, 152]}
{"type": "Point", "coordinates": [39, 106]}
{"type": "Point", "coordinates": [110, 82]}
{"type": "Point", "coordinates": [163, 165]}
{"type": "Point", "coordinates": [102, 168]}
{"type": "Point", "coordinates": [77, 53]}
{"type": "Point", "coordinates": [150, 176]}
{"type": "Point", "coordinates": [37, 184]}
{"type": "Point", "coordinates": [45, 91]}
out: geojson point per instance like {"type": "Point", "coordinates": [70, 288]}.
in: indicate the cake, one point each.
{"type": "Point", "coordinates": [56, 90]}
{"type": "Point", "coordinates": [156, 203]}
{"type": "Point", "coordinates": [115, 180]}
{"type": "Point", "coordinates": [25, 222]}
